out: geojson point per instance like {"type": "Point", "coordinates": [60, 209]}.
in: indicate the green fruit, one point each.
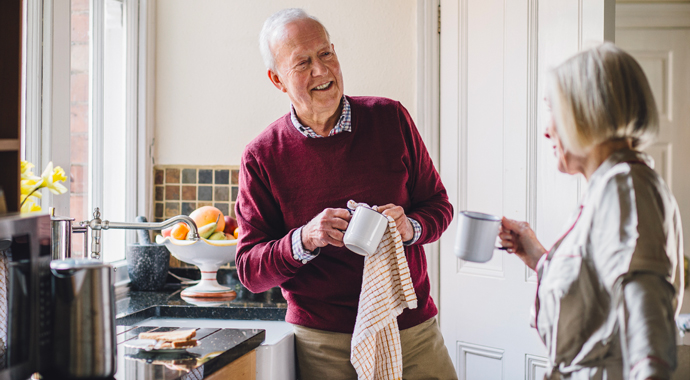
{"type": "Point", "coordinates": [220, 235]}
{"type": "Point", "coordinates": [205, 231]}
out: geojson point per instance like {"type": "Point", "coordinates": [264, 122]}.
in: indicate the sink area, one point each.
{"type": "Point", "coordinates": [275, 357]}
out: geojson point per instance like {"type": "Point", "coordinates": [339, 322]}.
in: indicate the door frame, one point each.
{"type": "Point", "coordinates": [653, 15]}
{"type": "Point", "coordinates": [657, 16]}
{"type": "Point", "coordinates": [428, 108]}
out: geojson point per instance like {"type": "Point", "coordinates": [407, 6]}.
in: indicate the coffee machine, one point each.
{"type": "Point", "coordinates": [25, 295]}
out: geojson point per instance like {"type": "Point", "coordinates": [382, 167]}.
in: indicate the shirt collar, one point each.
{"type": "Point", "coordinates": [623, 155]}
{"type": "Point", "coordinates": [344, 123]}
{"type": "Point", "coordinates": [617, 157]}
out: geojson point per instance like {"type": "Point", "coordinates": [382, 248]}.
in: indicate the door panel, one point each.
{"type": "Point", "coordinates": [479, 362]}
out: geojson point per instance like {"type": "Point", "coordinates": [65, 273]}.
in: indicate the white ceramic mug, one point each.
{"type": "Point", "coordinates": [365, 231]}
{"type": "Point", "coordinates": [476, 237]}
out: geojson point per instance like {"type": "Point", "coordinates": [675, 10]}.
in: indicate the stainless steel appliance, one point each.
{"type": "Point", "coordinates": [25, 299]}
{"type": "Point", "coordinates": [84, 333]}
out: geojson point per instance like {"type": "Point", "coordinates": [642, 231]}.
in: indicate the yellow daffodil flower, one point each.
{"type": "Point", "coordinates": [27, 188]}
{"type": "Point", "coordinates": [30, 206]}
{"type": "Point", "coordinates": [52, 177]}
{"type": "Point", "coordinates": [30, 184]}
{"type": "Point", "coordinates": [26, 170]}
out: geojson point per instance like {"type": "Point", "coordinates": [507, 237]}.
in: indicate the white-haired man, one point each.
{"type": "Point", "coordinates": [295, 180]}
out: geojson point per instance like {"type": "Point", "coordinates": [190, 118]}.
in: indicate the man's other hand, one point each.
{"type": "Point", "coordinates": [401, 222]}
{"type": "Point", "coordinates": [328, 227]}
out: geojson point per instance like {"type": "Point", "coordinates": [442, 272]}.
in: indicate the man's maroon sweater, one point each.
{"type": "Point", "coordinates": [286, 179]}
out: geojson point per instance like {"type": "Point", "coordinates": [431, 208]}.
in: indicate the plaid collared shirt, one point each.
{"type": "Point", "coordinates": [344, 124]}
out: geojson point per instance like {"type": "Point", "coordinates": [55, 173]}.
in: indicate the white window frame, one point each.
{"type": "Point", "coordinates": [47, 108]}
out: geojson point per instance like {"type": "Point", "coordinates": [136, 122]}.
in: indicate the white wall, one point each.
{"type": "Point", "coordinates": [212, 92]}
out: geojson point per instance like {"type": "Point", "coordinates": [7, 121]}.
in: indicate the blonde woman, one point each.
{"type": "Point", "coordinates": [609, 289]}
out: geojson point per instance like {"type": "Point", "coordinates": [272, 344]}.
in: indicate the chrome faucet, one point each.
{"type": "Point", "coordinates": [96, 225]}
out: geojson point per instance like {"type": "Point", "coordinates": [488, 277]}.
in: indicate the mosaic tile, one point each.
{"type": "Point", "coordinates": [205, 193]}
{"type": "Point", "coordinates": [188, 193]}
{"type": "Point", "coordinates": [222, 177]}
{"type": "Point", "coordinates": [205, 176]}
{"type": "Point", "coordinates": [159, 210]}
{"type": "Point", "coordinates": [223, 207]}
{"type": "Point", "coordinates": [221, 194]}
{"type": "Point", "coordinates": [160, 193]}
{"type": "Point", "coordinates": [172, 209]}
{"type": "Point", "coordinates": [158, 176]}
{"type": "Point", "coordinates": [172, 193]}
{"type": "Point", "coordinates": [172, 175]}
{"type": "Point", "coordinates": [181, 190]}
{"type": "Point", "coordinates": [188, 175]}
{"type": "Point", "coordinates": [188, 207]}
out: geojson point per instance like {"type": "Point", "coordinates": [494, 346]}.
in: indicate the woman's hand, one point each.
{"type": "Point", "coordinates": [401, 222]}
{"type": "Point", "coordinates": [520, 239]}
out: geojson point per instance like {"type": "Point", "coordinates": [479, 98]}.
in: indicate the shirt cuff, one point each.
{"type": "Point", "coordinates": [299, 253]}
{"type": "Point", "coordinates": [417, 232]}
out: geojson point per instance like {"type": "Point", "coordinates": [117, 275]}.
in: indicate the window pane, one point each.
{"type": "Point", "coordinates": [114, 128]}
{"type": "Point", "coordinates": [79, 117]}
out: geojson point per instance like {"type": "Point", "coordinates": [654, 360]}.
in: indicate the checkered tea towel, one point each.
{"type": "Point", "coordinates": [386, 290]}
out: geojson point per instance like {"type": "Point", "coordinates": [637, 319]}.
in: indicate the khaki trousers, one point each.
{"type": "Point", "coordinates": [326, 355]}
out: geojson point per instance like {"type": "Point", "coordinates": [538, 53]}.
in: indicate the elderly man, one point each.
{"type": "Point", "coordinates": [295, 180]}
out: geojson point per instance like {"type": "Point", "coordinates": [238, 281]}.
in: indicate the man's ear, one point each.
{"type": "Point", "coordinates": [275, 79]}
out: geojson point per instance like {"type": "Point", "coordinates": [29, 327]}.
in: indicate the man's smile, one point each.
{"type": "Point", "coordinates": [322, 86]}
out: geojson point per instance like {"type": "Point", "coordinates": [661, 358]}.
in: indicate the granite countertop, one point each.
{"type": "Point", "coordinates": [217, 348]}
{"type": "Point", "coordinates": [134, 306]}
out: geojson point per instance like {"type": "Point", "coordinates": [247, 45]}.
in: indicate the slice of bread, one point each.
{"type": "Point", "coordinates": [178, 344]}
{"type": "Point", "coordinates": [170, 336]}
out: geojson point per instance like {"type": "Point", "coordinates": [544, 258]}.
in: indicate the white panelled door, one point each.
{"type": "Point", "coordinates": [662, 46]}
{"type": "Point", "coordinates": [494, 159]}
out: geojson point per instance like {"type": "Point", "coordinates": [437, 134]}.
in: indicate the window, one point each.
{"type": "Point", "coordinates": [89, 118]}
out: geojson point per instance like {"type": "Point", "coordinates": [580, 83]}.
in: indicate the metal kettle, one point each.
{"type": "Point", "coordinates": [84, 344]}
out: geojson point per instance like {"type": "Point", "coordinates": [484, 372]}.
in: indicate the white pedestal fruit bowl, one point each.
{"type": "Point", "coordinates": [209, 256]}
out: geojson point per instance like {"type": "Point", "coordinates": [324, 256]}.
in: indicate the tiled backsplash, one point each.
{"type": "Point", "coordinates": [182, 189]}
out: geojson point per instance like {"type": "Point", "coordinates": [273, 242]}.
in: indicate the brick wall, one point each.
{"type": "Point", "coordinates": [79, 114]}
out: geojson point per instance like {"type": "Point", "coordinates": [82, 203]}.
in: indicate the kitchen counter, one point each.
{"type": "Point", "coordinates": [218, 348]}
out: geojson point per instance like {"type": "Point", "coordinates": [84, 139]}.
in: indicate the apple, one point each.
{"type": "Point", "coordinates": [230, 225]}
{"type": "Point", "coordinates": [166, 232]}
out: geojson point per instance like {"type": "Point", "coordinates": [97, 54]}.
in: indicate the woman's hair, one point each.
{"type": "Point", "coordinates": [602, 94]}
{"type": "Point", "coordinates": [274, 27]}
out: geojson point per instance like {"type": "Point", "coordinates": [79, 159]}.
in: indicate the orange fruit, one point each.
{"type": "Point", "coordinates": [236, 233]}
{"type": "Point", "coordinates": [180, 231]}
{"type": "Point", "coordinates": [206, 215]}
